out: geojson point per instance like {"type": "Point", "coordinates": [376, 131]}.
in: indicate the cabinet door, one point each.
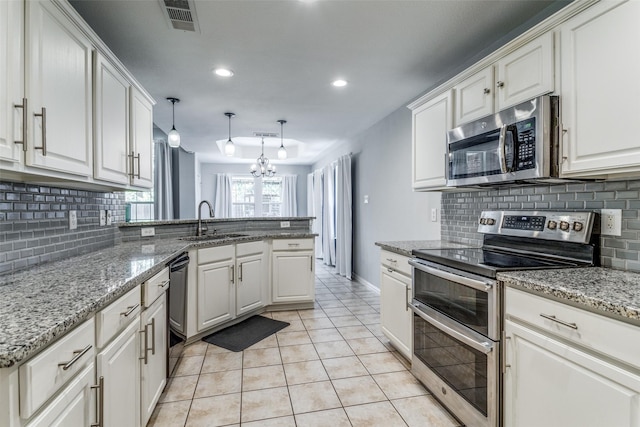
{"type": "Point", "coordinates": [548, 383]}
{"type": "Point", "coordinates": [141, 140]}
{"type": "Point", "coordinates": [431, 122]}
{"type": "Point", "coordinates": [600, 65]}
{"type": "Point", "coordinates": [73, 406]}
{"type": "Point", "coordinates": [249, 284]}
{"type": "Point", "coordinates": [474, 97]}
{"type": "Point", "coordinates": [58, 89]}
{"type": "Point", "coordinates": [119, 366]}
{"type": "Point", "coordinates": [293, 276]}
{"type": "Point", "coordinates": [216, 299]}
{"type": "Point", "coordinates": [11, 79]}
{"type": "Point", "coordinates": [111, 126]}
{"type": "Point", "coordinates": [395, 316]}
{"type": "Point", "coordinates": [525, 73]}
{"type": "Point", "coordinates": [154, 356]}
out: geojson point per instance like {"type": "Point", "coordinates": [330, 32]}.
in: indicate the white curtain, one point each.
{"type": "Point", "coordinates": [222, 197]}
{"type": "Point", "coordinates": [328, 216]}
{"type": "Point", "coordinates": [162, 191]}
{"type": "Point", "coordinates": [289, 200]}
{"type": "Point", "coordinates": [316, 198]}
{"type": "Point", "coordinates": [343, 216]}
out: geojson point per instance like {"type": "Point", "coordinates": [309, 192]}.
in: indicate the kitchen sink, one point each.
{"type": "Point", "coordinates": [212, 237]}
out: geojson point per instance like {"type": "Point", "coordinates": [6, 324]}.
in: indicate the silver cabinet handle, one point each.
{"type": "Point", "coordinates": [311, 263]}
{"type": "Point", "coordinates": [130, 310]}
{"type": "Point", "coordinates": [43, 147]}
{"type": "Point", "coordinates": [390, 270]}
{"type": "Point", "coordinates": [487, 91]}
{"type": "Point", "coordinates": [392, 260]}
{"type": "Point", "coordinates": [406, 298]}
{"type": "Point", "coordinates": [233, 275]}
{"type": "Point", "coordinates": [133, 158]}
{"type": "Point", "coordinates": [294, 244]}
{"type": "Point", "coordinates": [146, 349]}
{"type": "Point", "coordinates": [25, 120]}
{"type": "Point", "coordinates": [78, 355]}
{"type": "Point", "coordinates": [153, 336]}
{"type": "Point", "coordinates": [562, 322]}
{"type": "Point", "coordinates": [240, 273]}
{"type": "Point", "coordinates": [163, 284]}
{"type": "Point", "coordinates": [500, 84]}
{"type": "Point", "coordinates": [99, 402]}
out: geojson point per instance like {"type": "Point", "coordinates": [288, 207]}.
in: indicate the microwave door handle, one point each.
{"type": "Point", "coordinates": [502, 149]}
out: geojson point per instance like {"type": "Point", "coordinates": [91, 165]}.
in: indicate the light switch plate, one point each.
{"type": "Point", "coordinates": [103, 217]}
{"type": "Point", "coordinates": [109, 217]}
{"type": "Point", "coordinates": [434, 214]}
{"type": "Point", "coordinates": [73, 220]}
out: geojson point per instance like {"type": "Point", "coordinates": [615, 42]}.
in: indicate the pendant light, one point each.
{"type": "Point", "coordinates": [282, 152]}
{"type": "Point", "coordinates": [229, 147]}
{"type": "Point", "coordinates": [174, 137]}
{"type": "Point", "coordinates": [262, 167]}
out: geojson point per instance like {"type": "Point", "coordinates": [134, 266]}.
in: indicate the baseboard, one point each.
{"type": "Point", "coordinates": [368, 284]}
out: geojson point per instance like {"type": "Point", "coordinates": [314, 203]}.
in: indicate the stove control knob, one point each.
{"type": "Point", "coordinates": [564, 226]}
{"type": "Point", "coordinates": [552, 225]}
{"type": "Point", "coordinates": [578, 226]}
{"type": "Point", "coordinates": [491, 221]}
{"type": "Point", "coordinates": [483, 221]}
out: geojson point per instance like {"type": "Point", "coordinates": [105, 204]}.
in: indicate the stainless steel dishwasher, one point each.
{"type": "Point", "coordinates": [178, 293]}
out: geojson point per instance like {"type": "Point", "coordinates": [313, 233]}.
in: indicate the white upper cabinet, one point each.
{"type": "Point", "coordinates": [431, 121]}
{"type": "Point", "coordinates": [141, 149]}
{"type": "Point", "coordinates": [11, 79]}
{"type": "Point", "coordinates": [59, 91]}
{"type": "Point", "coordinates": [474, 96]}
{"type": "Point", "coordinates": [111, 130]}
{"type": "Point", "coordinates": [523, 74]}
{"type": "Point", "coordinates": [600, 69]}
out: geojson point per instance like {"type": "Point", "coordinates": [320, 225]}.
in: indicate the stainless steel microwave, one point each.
{"type": "Point", "coordinates": [518, 144]}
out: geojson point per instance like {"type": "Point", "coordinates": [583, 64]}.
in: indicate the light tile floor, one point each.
{"type": "Point", "coordinates": [331, 367]}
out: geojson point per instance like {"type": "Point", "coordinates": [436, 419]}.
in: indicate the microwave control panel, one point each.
{"type": "Point", "coordinates": [526, 144]}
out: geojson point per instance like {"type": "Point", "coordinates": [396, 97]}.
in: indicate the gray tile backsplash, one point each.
{"type": "Point", "coordinates": [461, 210]}
{"type": "Point", "coordinates": [34, 223]}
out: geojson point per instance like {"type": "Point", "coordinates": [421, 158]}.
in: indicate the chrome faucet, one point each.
{"type": "Point", "coordinates": [201, 231]}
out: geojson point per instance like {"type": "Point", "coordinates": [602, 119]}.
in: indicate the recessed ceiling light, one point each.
{"type": "Point", "coordinates": [339, 83]}
{"type": "Point", "coordinates": [223, 72]}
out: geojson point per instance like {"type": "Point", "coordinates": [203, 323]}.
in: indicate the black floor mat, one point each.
{"type": "Point", "coordinates": [246, 333]}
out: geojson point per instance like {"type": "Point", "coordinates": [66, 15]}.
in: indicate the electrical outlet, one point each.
{"type": "Point", "coordinates": [103, 217]}
{"type": "Point", "coordinates": [611, 222]}
{"type": "Point", "coordinates": [366, 198]}
{"type": "Point", "coordinates": [434, 215]}
{"type": "Point", "coordinates": [73, 220]}
{"type": "Point", "coordinates": [147, 231]}
{"type": "Point", "coordinates": [109, 217]}
{"type": "Point", "coordinates": [285, 224]}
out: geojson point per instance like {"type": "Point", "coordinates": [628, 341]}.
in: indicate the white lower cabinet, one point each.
{"type": "Point", "coordinates": [215, 294]}
{"type": "Point", "coordinates": [73, 406]}
{"type": "Point", "coordinates": [396, 318]}
{"type": "Point", "coordinates": [556, 376]}
{"type": "Point", "coordinates": [251, 277]}
{"type": "Point", "coordinates": [118, 373]}
{"type": "Point", "coordinates": [153, 356]}
{"type": "Point", "coordinates": [293, 271]}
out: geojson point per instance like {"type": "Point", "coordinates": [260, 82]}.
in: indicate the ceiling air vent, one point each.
{"type": "Point", "coordinates": [180, 14]}
{"type": "Point", "coordinates": [265, 134]}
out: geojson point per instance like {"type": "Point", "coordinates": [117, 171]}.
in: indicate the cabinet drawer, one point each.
{"type": "Point", "coordinates": [154, 287]}
{"type": "Point", "coordinates": [114, 318]}
{"type": "Point", "coordinates": [215, 254]}
{"type": "Point", "coordinates": [41, 377]}
{"type": "Point", "coordinates": [292, 244]}
{"type": "Point", "coordinates": [249, 248]}
{"type": "Point", "coordinates": [395, 261]}
{"type": "Point", "coordinates": [615, 339]}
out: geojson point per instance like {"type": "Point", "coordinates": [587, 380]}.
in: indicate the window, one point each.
{"type": "Point", "coordinates": [255, 197]}
{"type": "Point", "coordinates": [141, 205]}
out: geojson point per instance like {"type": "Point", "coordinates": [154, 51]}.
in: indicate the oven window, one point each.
{"type": "Point", "coordinates": [460, 366]}
{"type": "Point", "coordinates": [462, 303]}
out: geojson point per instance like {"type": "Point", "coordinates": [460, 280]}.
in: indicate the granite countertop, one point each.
{"type": "Point", "coordinates": [44, 302]}
{"type": "Point", "coordinates": [404, 247]}
{"type": "Point", "coordinates": [601, 290]}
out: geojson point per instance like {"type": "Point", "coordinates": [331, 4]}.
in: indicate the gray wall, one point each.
{"type": "Point", "coordinates": [183, 165]}
{"type": "Point", "coordinates": [382, 170]}
{"type": "Point", "coordinates": [208, 173]}
{"type": "Point", "coordinates": [461, 210]}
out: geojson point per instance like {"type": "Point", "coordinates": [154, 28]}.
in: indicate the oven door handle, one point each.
{"type": "Point", "coordinates": [484, 347]}
{"type": "Point", "coordinates": [472, 283]}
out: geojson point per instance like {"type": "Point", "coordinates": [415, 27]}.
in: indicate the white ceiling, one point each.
{"type": "Point", "coordinates": [286, 53]}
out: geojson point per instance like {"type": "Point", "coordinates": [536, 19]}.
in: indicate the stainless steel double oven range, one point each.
{"type": "Point", "coordinates": [457, 302]}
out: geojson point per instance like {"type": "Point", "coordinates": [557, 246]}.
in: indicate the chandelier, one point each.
{"type": "Point", "coordinates": [262, 167]}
